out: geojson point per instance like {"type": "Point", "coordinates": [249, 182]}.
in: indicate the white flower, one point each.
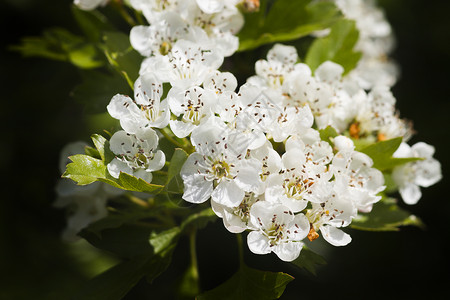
{"type": "Point", "coordinates": [193, 106]}
{"type": "Point", "coordinates": [236, 219]}
{"type": "Point", "coordinates": [146, 110]}
{"type": "Point", "coordinates": [220, 26]}
{"type": "Point", "coordinates": [159, 37]}
{"type": "Point", "coordinates": [185, 66]}
{"type": "Point", "coordinates": [271, 73]}
{"type": "Point", "coordinates": [136, 154]}
{"type": "Point", "coordinates": [303, 174]}
{"type": "Point", "coordinates": [355, 168]}
{"type": "Point", "coordinates": [337, 210]}
{"type": "Point", "coordinates": [423, 173]}
{"type": "Point", "coordinates": [218, 168]}
{"type": "Point", "coordinates": [89, 4]}
{"type": "Point", "coordinates": [278, 230]}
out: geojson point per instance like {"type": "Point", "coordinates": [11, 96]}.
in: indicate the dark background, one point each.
{"type": "Point", "coordinates": [39, 117]}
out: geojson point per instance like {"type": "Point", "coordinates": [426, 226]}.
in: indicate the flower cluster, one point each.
{"type": "Point", "coordinates": [258, 155]}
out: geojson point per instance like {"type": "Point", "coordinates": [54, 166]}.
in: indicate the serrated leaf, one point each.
{"type": "Point", "coordinates": [337, 46]}
{"type": "Point", "coordinates": [286, 20]}
{"type": "Point", "coordinates": [386, 215]}
{"type": "Point", "coordinates": [131, 183]}
{"type": "Point", "coordinates": [84, 169]}
{"type": "Point", "coordinates": [249, 284]}
{"type": "Point", "coordinates": [309, 260]}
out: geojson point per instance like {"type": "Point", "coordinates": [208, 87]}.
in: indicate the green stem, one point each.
{"type": "Point", "coordinates": [171, 138]}
{"type": "Point", "coordinates": [240, 249]}
{"type": "Point", "coordinates": [122, 11]}
{"type": "Point", "coordinates": [193, 251]}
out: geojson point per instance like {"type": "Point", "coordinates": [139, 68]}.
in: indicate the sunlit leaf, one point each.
{"type": "Point", "coordinates": [337, 46]}
{"type": "Point", "coordinates": [285, 20]}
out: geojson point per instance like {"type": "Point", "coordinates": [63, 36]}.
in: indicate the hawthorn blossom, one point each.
{"type": "Point", "coordinates": [236, 219]}
{"type": "Point", "coordinates": [364, 182]}
{"type": "Point", "coordinates": [219, 168]}
{"type": "Point", "coordinates": [135, 154]}
{"type": "Point", "coordinates": [337, 210]}
{"type": "Point", "coordinates": [270, 73]}
{"type": "Point", "coordinates": [159, 37]}
{"type": "Point", "coordinates": [146, 110]}
{"type": "Point", "coordinates": [186, 65]}
{"type": "Point", "coordinates": [422, 173]}
{"type": "Point", "coordinates": [303, 173]}
{"type": "Point", "coordinates": [192, 107]}
{"type": "Point", "coordinates": [277, 230]}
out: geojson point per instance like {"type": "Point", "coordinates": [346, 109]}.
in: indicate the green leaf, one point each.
{"type": "Point", "coordinates": [121, 55]}
{"type": "Point", "coordinates": [337, 46]}
{"type": "Point", "coordinates": [286, 20]}
{"type": "Point", "coordinates": [114, 283]}
{"type": "Point", "coordinates": [97, 89]}
{"type": "Point", "coordinates": [60, 44]}
{"type": "Point", "coordinates": [174, 182]}
{"type": "Point", "coordinates": [386, 215]}
{"type": "Point", "coordinates": [327, 134]}
{"type": "Point", "coordinates": [117, 281]}
{"type": "Point", "coordinates": [199, 219]}
{"type": "Point", "coordinates": [126, 241]}
{"type": "Point", "coordinates": [85, 169]}
{"type": "Point", "coordinates": [92, 23]}
{"type": "Point", "coordinates": [176, 163]}
{"type": "Point", "coordinates": [99, 143]}
{"type": "Point", "coordinates": [309, 260]}
{"type": "Point", "coordinates": [131, 183]}
{"type": "Point", "coordinates": [91, 152]}
{"type": "Point", "coordinates": [381, 154]}
{"type": "Point", "coordinates": [248, 284]}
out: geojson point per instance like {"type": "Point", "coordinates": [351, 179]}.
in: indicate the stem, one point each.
{"type": "Point", "coordinates": [240, 249]}
{"type": "Point", "coordinates": [170, 137]}
{"type": "Point", "coordinates": [193, 251]}
{"type": "Point", "coordinates": [120, 8]}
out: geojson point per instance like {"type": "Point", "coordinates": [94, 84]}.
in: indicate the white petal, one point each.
{"type": "Point", "coordinates": [196, 188]}
{"type": "Point", "coordinates": [116, 166]}
{"type": "Point", "coordinates": [181, 129]}
{"type": "Point", "coordinates": [144, 175]}
{"type": "Point", "coordinates": [258, 243]}
{"type": "Point", "coordinates": [158, 161]}
{"type": "Point", "coordinates": [284, 54]}
{"type": "Point", "coordinates": [335, 236]}
{"type": "Point", "coordinates": [248, 177]}
{"type": "Point", "coordinates": [288, 251]}
{"type": "Point", "coordinates": [410, 193]}
{"type": "Point", "coordinates": [210, 6]}
{"type": "Point", "coordinates": [228, 193]}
